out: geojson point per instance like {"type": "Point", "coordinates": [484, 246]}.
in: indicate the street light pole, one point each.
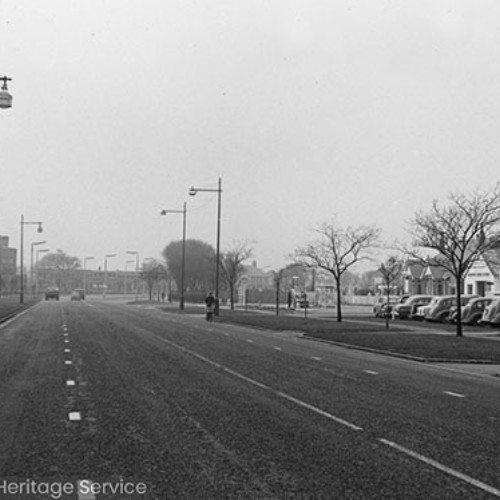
{"type": "Point", "coordinates": [183, 212]}
{"type": "Point", "coordinates": [106, 257]}
{"type": "Point", "coordinates": [33, 244]}
{"type": "Point", "coordinates": [39, 229]}
{"type": "Point", "coordinates": [192, 192]}
{"type": "Point", "coordinates": [131, 252]}
{"type": "Point", "coordinates": [38, 252]}
{"type": "Point", "coordinates": [126, 270]}
{"type": "Point", "coordinates": [85, 259]}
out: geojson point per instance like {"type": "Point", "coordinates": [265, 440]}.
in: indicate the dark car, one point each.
{"type": "Point", "coordinates": [408, 308]}
{"type": "Point", "coordinates": [440, 306]}
{"type": "Point", "coordinates": [52, 293]}
{"type": "Point", "coordinates": [472, 311]}
{"type": "Point", "coordinates": [491, 315]}
{"type": "Point", "coordinates": [81, 292]}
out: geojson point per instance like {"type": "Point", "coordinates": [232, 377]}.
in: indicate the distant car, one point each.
{"type": "Point", "coordinates": [472, 310]}
{"type": "Point", "coordinates": [81, 291]}
{"type": "Point", "coordinates": [75, 295]}
{"type": "Point", "coordinates": [52, 293]}
{"type": "Point", "coordinates": [491, 315]}
{"type": "Point", "coordinates": [408, 308]}
{"type": "Point", "coordinates": [439, 307]}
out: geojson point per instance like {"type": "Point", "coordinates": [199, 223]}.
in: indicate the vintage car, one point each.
{"type": "Point", "coordinates": [472, 311]}
{"type": "Point", "coordinates": [440, 306]}
{"type": "Point", "coordinates": [409, 307]}
{"type": "Point", "coordinates": [491, 315]}
{"type": "Point", "coordinates": [52, 292]}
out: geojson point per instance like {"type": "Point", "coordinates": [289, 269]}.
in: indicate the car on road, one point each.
{"type": "Point", "coordinates": [81, 292]}
{"type": "Point", "coordinates": [52, 292]}
{"type": "Point", "coordinates": [409, 307]}
{"type": "Point", "coordinates": [439, 307]}
{"type": "Point", "coordinates": [472, 311]}
{"type": "Point", "coordinates": [491, 315]}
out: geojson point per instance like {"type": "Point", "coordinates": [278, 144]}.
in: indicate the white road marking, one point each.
{"type": "Point", "coordinates": [277, 348]}
{"type": "Point", "coordinates": [226, 334]}
{"type": "Point", "coordinates": [262, 386]}
{"type": "Point", "coordinates": [65, 334]}
{"type": "Point", "coordinates": [67, 362]}
{"type": "Point", "coordinates": [455, 394]}
{"type": "Point", "coordinates": [250, 341]}
{"type": "Point", "coordinates": [66, 341]}
{"type": "Point", "coordinates": [75, 415]}
{"type": "Point", "coordinates": [443, 468]}
{"type": "Point", "coordinates": [70, 382]}
{"type": "Point", "coordinates": [67, 350]}
{"type": "Point", "coordinates": [370, 372]}
{"type": "Point", "coordinates": [316, 358]}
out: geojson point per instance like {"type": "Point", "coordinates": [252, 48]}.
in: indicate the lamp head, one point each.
{"type": "Point", "coordinates": [192, 191]}
{"type": "Point", "coordinates": [40, 229]}
{"type": "Point", "coordinates": [163, 212]}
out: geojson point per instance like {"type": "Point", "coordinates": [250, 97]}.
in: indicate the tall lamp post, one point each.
{"type": "Point", "coordinates": [126, 270]}
{"type": "Point", "coordinates": [38, 252]}
{"type": "Point", "coordinates": [192, 192]}
{"type": "Point", "coordinates": [85, 259]}
{"type": "Point", "coordinates": [183, 265]}
{"type": "Point", "coordinates": [132, 252]}
{"type": "Point", "coordinates": [40, 230]}
{"type": "Point", "coordinates": [33, 244]}
{"type": "Point", "coordinates": [106, 257]}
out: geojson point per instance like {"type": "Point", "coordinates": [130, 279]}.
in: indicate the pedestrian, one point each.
{"type": "Point", "coordinates": [210, 306]}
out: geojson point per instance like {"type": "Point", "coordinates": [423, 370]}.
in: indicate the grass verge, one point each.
{"type": "Point", "coordinates": [423, 346]}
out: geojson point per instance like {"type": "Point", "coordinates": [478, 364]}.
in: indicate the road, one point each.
{"type": "Point", "coordinates": [140, 403]}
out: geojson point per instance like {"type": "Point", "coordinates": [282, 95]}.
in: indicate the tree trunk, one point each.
{"type": "Point", "coordinates": [339, 301]}
{"type": "Point", "coordinates": [277, 297]}
{"type": "Point", "coordinates": [459, 310]}
{"type": "Point", "coordinates": [231, 296]}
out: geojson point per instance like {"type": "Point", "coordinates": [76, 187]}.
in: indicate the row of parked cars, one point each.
{"type": "Point", "coordinates": [476, 310]}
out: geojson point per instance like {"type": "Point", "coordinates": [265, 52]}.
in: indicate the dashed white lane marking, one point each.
{"type": "Point", "coordinates": [67, 350]}
{"type": "Point", "coordinates": [65, 334]}
{"type": "Point", "coordinates": [226, 334]}
{"type": "Point", "coordinates": [444, 468]}
{"type": "Point", "coordinates": [67, 362]}
{"type": "Point", "coordinates": [250, 341]}
{"type": "Point", "coordinates": [74, 415]}
{"type": "Point", "coordinates": [370, 372]}
{"type": "Point", "coordinates": [277, 348]}
{"type": "Point", "coordinates": [315, 358]}
{"type": "Point", "coordinates": [454, 394]}
{"type": "Point", "coordinates": [66, 341]}
{"type": "Point", "coordinates": [262, 386]}
{"type": "Point", "coordinates": [70, 382]}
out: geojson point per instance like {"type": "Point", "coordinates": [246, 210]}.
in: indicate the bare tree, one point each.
{"type": "Point", "coordinates": [461, 232]}
{"type": "Point", "coordinates": [391, 271]}
{"type": "Point", "coordinates": [336, 250]}
{"type": "Point", "coordinates": [232, 265]}
{"type": "Point", "coordinates": [152, 272]}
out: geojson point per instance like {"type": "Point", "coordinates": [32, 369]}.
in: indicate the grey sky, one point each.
{"type": "Point", "coordinates": [306, 109]}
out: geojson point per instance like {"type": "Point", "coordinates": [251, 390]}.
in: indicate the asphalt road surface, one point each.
{"type": "Point", "coordinates": [113, 401]}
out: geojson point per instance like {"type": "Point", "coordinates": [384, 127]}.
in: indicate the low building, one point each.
{"type": "Point", "coordinates": [8, 270]}
{"type": "Point", "coordinates": [483, 277]}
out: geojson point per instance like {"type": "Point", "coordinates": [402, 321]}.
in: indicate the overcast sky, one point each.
{"type": "Point", "coordinates": [367, 110]}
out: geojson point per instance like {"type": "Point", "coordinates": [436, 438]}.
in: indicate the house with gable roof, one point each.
{"type": "Point", "coordinates": [483, 277]}
{"type": "Point", "coordinates": [427, 278]}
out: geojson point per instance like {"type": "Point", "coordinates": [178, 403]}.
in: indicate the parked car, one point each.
{"type": "Point", "coordinates": [384, 308]}
{"type": "Point", "coordinates": [491, 315]}
{"type": "Point", "coordinates": [52, 292]}
{"type": "Point", "coordinates": [408, 308]}
{"type": "Point", "coordinates": [75, 295]}
{"type": "Point", "coordinates": [81, 291]}
{"type": "Point", "coordinates": [439, 307]}
{"type": "Point", "coordinates": [472, 310]}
